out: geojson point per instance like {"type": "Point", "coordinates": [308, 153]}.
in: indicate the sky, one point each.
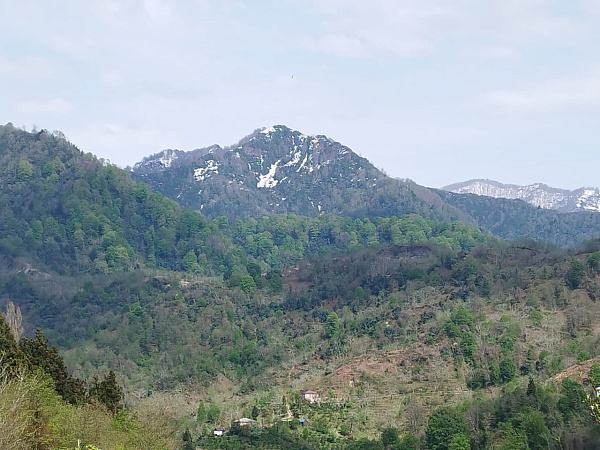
{"type": "Point", "coordinates": [438, 91]}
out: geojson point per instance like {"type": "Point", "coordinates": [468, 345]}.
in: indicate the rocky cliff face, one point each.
{"type": "Point", "coordinates": [278, 170]}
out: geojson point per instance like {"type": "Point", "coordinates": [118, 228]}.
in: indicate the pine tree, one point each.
{"type": "Point", "coordinates": [108, 392]}
{"type": "Point", "coordinates": [45, 356]}
{"type": "Point", "coordinates": [531, 388]}
{"type": "Point", "coordinates": [11, 356]}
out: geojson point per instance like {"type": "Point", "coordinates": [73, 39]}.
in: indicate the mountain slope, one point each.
{"type": "Point", "coordinates": [538, 194]}
{"type": "Point", "coordinates": [279, 170]}
{"type": "Point", "coordinates": [72, 213]}
{"type": "Point", "coordinates": [513, 219]}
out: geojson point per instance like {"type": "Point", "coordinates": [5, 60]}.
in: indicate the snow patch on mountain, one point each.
{"type": "Point", "coordinates": [201, 173]}
{"type": "Point", "coordinates": [295, 159]}
{"type": "Point", "coordinates": [167, 158]}
{"type": "Point", "coordinates": [537, 194]}
{"type": "Point", "coordinates": [160, 160]}
{"type": "Point", "coordinates": [268, 180]}
{"type": "Point", "coordinates": [268, 130]}
{"type": "Point", "coordinates": [303, 163]}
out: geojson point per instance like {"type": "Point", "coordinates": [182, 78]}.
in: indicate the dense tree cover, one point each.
{"type": "Point", "coordinates": [512, 219]}
{"type": "Point", "coordinates": [122, 277]}
{"type": "Point", "coordinates": [196, 327]}
{"type": "Point", "coordinates": [77, 214]}
{"type": "Point", "coordinates": [40, 354]}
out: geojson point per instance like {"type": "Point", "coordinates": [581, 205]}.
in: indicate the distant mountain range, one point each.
{"type": "Point", "coordinates": [538, 194]}
{"type": "Point", "coordinates": [280, 170]}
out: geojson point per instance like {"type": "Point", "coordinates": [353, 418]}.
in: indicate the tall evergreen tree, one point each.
{"type": "Point", "coordinates": [108, 392]}
{"type": "Point", "coordinates": [46, 357]}
{"type": "Point", "coordinates": [11, 356]}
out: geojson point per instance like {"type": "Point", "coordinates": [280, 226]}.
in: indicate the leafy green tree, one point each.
{"type": "Point", "coordinates": [593, 261]}
{"type": "Point", "coordinates": [389, 438]}
{"type": "Point", "coordinates": [201, 413]}
{"type": "Point", "coordinates": [536, 317]}
{"type": "Point", "coordinates": [331, 327]}
{"type": "Point", "coordinates": [212, 413]}
{"type": "Point", "coordinates": [408, 442]}
{"type": "Point", "coordinates": [460, 442]}
{"type": "Point", "coordinates": [24, 170]}
{"type": "Point", "coordinates": [247, 284]}
{"type": "Point", "coordinates": [462, 317]}
{"type": "Point", "coordinates": [507, 370]}
{"type": "Point", "coordinates": [12, 356]}
{"type": "Point", "coordinates": [190, 262]}
{"type": "Point", "coordinates": [571, 400]}
{"type": "Point", "coordinates": [594, 374]}
{"type": "Point", "coordinates": [275, 283]}
{"type": "Point", "coordinates": [443, 425]}
{"type": "Point", "coordinates": [254, 271]}
{"type": "Point", "coordinates": [513, 438]}
{"type": "Point", "coordinates": [535, 428]}
{"type": "Point", "coordinates": [468, 344]}
{"type": "Point", "coordinates": [575, 274]}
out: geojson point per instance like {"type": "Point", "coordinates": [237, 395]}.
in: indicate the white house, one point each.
{"type": "Point", "coordinates": [309, 396]}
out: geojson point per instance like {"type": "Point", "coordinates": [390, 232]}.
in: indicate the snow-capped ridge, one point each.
{"type": "Point", "coordinates": [163, 159]}
{"type": "Point", "coordinates": [537, 194]}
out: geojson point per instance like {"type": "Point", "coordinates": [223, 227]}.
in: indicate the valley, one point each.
{"type": "Point", "coordinates": [237, 277]}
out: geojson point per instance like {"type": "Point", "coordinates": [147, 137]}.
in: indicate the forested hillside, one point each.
{"type": "Point", "coordinates": [206, 320]}
{"type": "Point", "coordinates": [513, 219]}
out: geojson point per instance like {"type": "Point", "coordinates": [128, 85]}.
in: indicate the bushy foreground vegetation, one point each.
{"type": "Point", "coordinates": [42, 406]}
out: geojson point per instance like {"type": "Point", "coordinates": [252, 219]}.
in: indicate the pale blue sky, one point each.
{"type": "Point", "coordinates": [437, 91]}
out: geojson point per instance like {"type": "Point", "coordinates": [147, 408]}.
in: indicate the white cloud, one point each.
{"type": "Point", "coordinates": [111, 78]}
{"type": "Point", "coordinates": [343, 45]}
{"type": "Point", "coordinates": [126, 143]}
{"type": "Point", "coordinates": [160, 12]}
{"type": "Point", "coordinates": [152, 12]}
{"type": "Point", "coordinates": [420, 27]}
{"type": "Point", "coordinates": [70, 44]}
{"type": "Point", "coordinates": [53, 106]}
{"type": "Point", "coordinates": [355, 28]}
{"type": "Point", "coordinates": [532, 21]}
{"type": "Point", "coordinates": [30, 66]}
{"type": "Point", "coordinates": [500, 53]}
{"type": "Point", "coordinates": [577, 92]}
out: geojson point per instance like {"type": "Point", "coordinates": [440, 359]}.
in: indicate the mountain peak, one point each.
{"type": "Point", "coordinates": [274, 168]}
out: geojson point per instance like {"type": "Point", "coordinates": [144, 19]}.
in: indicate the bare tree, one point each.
{"type": "Point", "coordinates": [415, 416]}
{"type": "Point", "coordinates": [14, 320]}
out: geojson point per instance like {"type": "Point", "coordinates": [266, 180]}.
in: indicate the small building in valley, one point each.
{"type": "Point", "coordinates": [218, 431]}
{"type": "Point", "coordinates": [309, 396]}
{"type": "Point", "coordinates": [243, 422]}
